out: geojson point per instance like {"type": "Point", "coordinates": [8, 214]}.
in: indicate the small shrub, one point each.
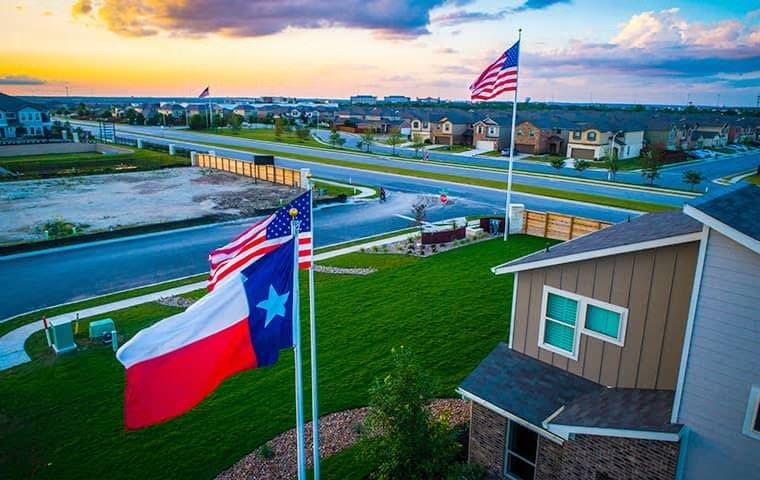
{"type": "Point", "coordinates": [265, 452]}
{"type": "Point", "coordinates": [358, 427]}
{"type": "Point", "coordinates": [375, 249]}
{"type": "Point", "coordinates": [466, 471]}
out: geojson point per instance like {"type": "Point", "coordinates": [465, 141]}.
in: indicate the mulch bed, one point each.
{"type": "Point", "coordinates": [336, 432]}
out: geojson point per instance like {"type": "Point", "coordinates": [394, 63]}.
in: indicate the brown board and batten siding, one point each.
{"type": "Point", "coordinates": [654, 285]}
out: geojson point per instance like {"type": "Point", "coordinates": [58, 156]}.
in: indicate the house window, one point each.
{"type": "Point", "coordinates": [520, 454]}
{"type": "Point", "coordinates": [604, 321]}
{"type": "Point", "coordinates": [558, 327]}
{"type": "Point", "coordinates": [591, 136]}
{"type": "Point", "coordinates": [567, 316]}
{"type": "Point", "coordinates": [480, 129]}
{"type": "Point", "coordinates": [446, 127]}
{"type": "Point", "coordinates": [491, 131]}
{"type": "Point", "coordinates": [576, 135]}
{"type": "Point", "coordinates": [751, 426]}
{"type": "Point", "coordinates": [531, 133]}
{"type": "Point", "coordinates": [416, 125]}
{"type": "Point", "coordinates": [519, 132]}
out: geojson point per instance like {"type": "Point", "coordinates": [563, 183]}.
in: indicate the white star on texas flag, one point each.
{"type": "Point", "coordinates": [274, 305]}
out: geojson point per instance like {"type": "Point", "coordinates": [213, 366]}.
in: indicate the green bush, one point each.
{"type": "Point", "coordinates": [408, 441]}
{"type": "Point", "coordinates": [265, 452]}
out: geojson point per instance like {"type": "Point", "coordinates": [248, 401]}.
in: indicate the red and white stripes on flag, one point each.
{"type": "Point", "coordinates": [499, 77]}
{"type": "Point", "coordinates": [263, 237]}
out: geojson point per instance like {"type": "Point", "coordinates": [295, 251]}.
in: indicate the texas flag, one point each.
{"type": "Point", "coordinates": [243, 324]}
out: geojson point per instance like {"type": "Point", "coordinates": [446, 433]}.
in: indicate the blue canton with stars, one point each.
{"type": "Point", "coordinates": [511, 56]}
{"type": "Point", "coordinates": [268, 287]}
{"type": "Point", "coordinates": [280, 225]}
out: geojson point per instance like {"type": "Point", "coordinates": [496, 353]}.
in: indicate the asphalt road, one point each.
{"type": "Point", "coordinates": [185, 139]}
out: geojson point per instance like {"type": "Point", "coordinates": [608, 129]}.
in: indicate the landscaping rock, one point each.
{"type": "Point", "coordinates": [336, 432]}
{"type": "Point", "coordinates": [175, 301]}
{"type": "Point", "coordinates": [344, 271]}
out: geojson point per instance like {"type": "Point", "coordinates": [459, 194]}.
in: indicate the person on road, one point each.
{"type": "Point", "coordinates": [382, 194]}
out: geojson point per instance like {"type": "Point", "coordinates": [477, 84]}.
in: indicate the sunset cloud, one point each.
{"type": "Point", "coordinates": [254, 18]}
{"type": "Point", "coordinates": [20, 80]}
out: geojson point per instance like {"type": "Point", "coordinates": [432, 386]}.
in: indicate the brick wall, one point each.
{"type": "Point", "coordinates": [548, 460]}
{"type": "Point", "coordinates": [618, 458]}
{"type": "Point", "coordinates": [487, 431]}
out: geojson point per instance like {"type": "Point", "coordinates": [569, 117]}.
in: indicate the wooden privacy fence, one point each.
{"type": "Point", "coordinates": [551, 225]}
{"type": "Point", "coordinates": [559, 226]}
{"type": "Point", "coordinates": [268, 173]}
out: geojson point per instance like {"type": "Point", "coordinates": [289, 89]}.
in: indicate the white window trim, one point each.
{"type": "Point", "coordinates": [577, 328]}
{"type": "Point", "coordinates": [580, 321]}
{"type": "Point", "coordinates": [622, 311]}
{"type": "Point", "coordinates": [752, 412]}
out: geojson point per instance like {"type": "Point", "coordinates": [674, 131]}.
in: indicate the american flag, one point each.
{"type": "Point", "coordinates": [204, 93]}
{"type": "Point", "coordinates": [499, 77]}
{"type": "Point", "coordinates": [263, 237]}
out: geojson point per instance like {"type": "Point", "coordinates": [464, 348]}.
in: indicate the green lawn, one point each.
{"type": "Point", "coordinates": [545, 191]}
{"type": "Point", "coordinates": [334, 190]}
{"type": "Point", "coordinates": [266, 134]}
{"type": "Point", "coordinates": [91, 163]}
{"type": "Point", "coordinates": [455, 148]}
{"type": "Point", "coordinates": [492, 153]}
{"type": "Point", "coordinates": [62, 417]}
{"type": "Point", "coordinates": [753, 179]}
{"type": "Point", "coordinates": [542, 158]}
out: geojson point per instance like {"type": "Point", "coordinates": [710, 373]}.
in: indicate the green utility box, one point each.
{"type": "Point", "coordinates": [63, 337]}
{"type": "Point", "coordinates": [99, 327]}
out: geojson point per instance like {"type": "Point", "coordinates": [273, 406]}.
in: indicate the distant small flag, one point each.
{"type": "Point", "coordinates": [204, 93]}
{"type": "Point", "coordinates": [499, 77]}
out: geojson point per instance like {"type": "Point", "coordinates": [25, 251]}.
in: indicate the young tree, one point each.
{"type": "Point", "coordinates": [394, 138]}
{"type": "Point", "coordinates": [557, 163]}
{"type": "Point", "coordinates": [692, 178]}
{"type": "Point", "coordinates": [580, 165]}
{"type": "Point", "coordinates": [610, 161]}
{"type": "Point", "coordinates": [650, 168]}
{"type": "Point", "coordinates": [279, 127]}
{"type": "Point", "coordinates": [336, 140]}
{"type": "Point", "coordinates": [235, 121]}
{"type": "Point", "coordinates": [367, 138]}
{"type": "Point", "coordinates": [417, 144]}
{"type": "Point", "coordinates": [406, 441]}
{"type": "Point", "coordinates": [303, 133]}
{"type": "Point", "coordinates": [197, 122]}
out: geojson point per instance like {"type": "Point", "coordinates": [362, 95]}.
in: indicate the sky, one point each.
{"type": "Point", "coordinates": [706, 52]}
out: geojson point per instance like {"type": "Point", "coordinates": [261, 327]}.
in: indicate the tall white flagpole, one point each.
{"type": "Point", "coordinates": [512, 141]}
{"type": "Point", "coordinates": [297, 350]}
{"type": "Point", "coordinates": [313, 345]}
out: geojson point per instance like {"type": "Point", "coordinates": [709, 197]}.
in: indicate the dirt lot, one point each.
{"type": "Point", "coordinates": [101, 202]}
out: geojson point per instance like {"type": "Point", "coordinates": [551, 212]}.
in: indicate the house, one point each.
{"type": "Point", "coordinates": [594, 141]}
{"type": "Point", "coordinates": [540, 135]}
{"type": "Point", "coordinates": [585, 387]}
{"type": "Point", "coordinates": [718, 393]}
{"type": "Point", "coordinates": [670, 135]}
{"type": "Point", "coordinates": [174, 110]}
{"type": "Point", "coordinates": [428, 100]}
{"type": "Point", "coordinates": [420, 127]}
{"type": "Point", "coordinates": [452, 128]}
{"type": "Point", "coordinates": [19, 118]}
{"type": "Point", "coordinates": [246, 111]}
{"type": "Point", "coordinates": [712, 135]}
{"type": "Point", "coordinates": [363, 99]}
{"type": "Point", "coordinates": [396, 99]}
{"type": "Point", "coordinates": [491, 133]}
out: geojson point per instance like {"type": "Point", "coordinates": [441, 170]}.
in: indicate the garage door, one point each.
{"type": "Point", "coordinates": [485, 145]}
{"type": "Point", "coordinates": [582, 153]}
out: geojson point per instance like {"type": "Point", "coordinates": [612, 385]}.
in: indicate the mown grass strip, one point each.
{"type": "Point", "coordinates": [530, 189]}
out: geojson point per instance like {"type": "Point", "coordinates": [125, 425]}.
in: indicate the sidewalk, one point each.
{"type": "Point", "coordinates": [12, 351]}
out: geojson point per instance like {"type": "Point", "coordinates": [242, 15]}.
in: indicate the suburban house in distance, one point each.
{"type": "Point", "coordinates": [540, 135]}
{"type": "Point", "coordinates": [633, 353]}
{"type": "Point", "coordinates": [19, 118]}
{"type": "Point", "coordinates": [246, 111]}
{"type": "Point", "coordinates": [174, 110]}
{"type": "Point", "coordinates": [363, 99]}
{"type": "Point", "coordinates": [718, 394]}
{"type": "Point", "coordinates": [420, 128]}
{"type": "Point", "coordinates": [585, 387]}
{"type": "Point", "coordinates": [454, 128]}
{"type": "Point", "coordinates": [491, 133]}
{"type": "Point", "coordinates": [592, 142]}
{"type": "Point", "coordinates": [396, 99]}
{"type": "Point", "coordinates": [712, 136]}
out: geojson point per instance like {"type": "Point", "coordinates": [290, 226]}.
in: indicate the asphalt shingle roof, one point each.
{"type": "Point", "coordinates": [621, 408]}
{"type": "Point", "coordinates": [9, 103]}
{"type": "Point", "coordinates": [525, 387]}
{"type": "Point", "coordinates": [739, 209]}
{"type": "Point", "coordinates": [652, 226]}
